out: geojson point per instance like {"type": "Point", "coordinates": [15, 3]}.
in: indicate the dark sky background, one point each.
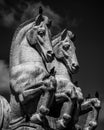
{"type": "Point", "coordinates": [83, 18]}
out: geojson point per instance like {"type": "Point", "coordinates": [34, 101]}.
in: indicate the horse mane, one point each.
{"type": "Point", "coordinates": [59, 36]}
{"type": "Point", "coordinates": [14, 44]}
{"type": "Point", "coordinates": [56, 37]}
{"type": "Point", "coordinates": [21, 26]}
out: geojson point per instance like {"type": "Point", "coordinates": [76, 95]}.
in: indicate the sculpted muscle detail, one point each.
{"type": "Point", "coordinates": [25, 74]}
{"type": "Point", "coordinates": [44, 95]}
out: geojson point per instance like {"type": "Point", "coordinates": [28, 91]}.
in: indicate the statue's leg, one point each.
{"type": "Point", "coordinates": [67, 110]}
{"type": "Point", "coordinates": [92, 118]}
{"type": "Point", "coordinates": [77, 106]}
{"type": "Point", "coordinates": [31, 91]}
{"type": "Point", "coordinates": [4, 113]}
{"type": "Point", "coordinates": [47, 97]}
{"type": "Point", "coordinates": [86, 106]}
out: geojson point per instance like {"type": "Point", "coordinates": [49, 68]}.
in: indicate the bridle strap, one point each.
{"type": "Point", "coordinates": [39, 50]}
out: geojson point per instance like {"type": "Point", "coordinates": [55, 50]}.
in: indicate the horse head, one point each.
{"type": "Point", "coordinates": [64, 50]}
{"type": "Point", "coordinates": [40, 36]}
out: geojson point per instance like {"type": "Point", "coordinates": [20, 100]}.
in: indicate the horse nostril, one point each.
{"type": "Point", "coordinates": [75, 67]}
{"type": "Point", "coordinates": [49, 52]}
{"type": "Point", "coordinates": [50, 55]}
{"type": "Point", "coordinates": [41, 32]}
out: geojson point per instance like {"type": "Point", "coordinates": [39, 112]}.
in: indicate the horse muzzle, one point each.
{"type": "Point", "coordinates": [50, 56]}
{"type": "Point", "coordinates": [74, 68]}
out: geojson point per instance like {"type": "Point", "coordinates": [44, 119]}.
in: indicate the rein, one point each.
{"type": "Point", "coordinates": [39, 50]}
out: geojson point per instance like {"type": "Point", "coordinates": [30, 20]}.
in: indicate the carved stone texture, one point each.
{"type": "Point", "coordinates": [30, 76]}
{"type": "Point", "coordinates": [43, 94]}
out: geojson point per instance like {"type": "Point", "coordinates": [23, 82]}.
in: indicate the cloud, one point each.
{"type": "Point", "coordinates": [4, 79]}
{"type": "Point", "coordinates": [12, 16]}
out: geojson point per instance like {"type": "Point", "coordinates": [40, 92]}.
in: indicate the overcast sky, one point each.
{"type": "Point", "coordinates": [83, 18]}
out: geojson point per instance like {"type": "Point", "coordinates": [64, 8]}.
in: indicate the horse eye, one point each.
{"type": "Point", "coordinates": [66, 47]}
{"type": "Point", "coordinates": [41, 33]}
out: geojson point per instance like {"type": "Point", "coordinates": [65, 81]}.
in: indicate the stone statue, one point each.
{"type": "Point", "coordinates": [66, 63]}
{"type": "Point", "coordinates": [68, 93]}
{"type": "Point", "coordinates": [31, 50]}
{"type": "Point", "coordinates": [43, 93]}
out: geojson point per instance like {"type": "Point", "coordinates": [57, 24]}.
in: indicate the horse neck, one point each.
{"type": "Point", "coordinates": [61, 69]}
{"type": "Point", "coordinates": [18, 36]}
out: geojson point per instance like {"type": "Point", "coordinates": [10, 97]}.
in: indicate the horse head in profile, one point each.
{"type": "Point", "coordinates": [64, 50]}
{"type": "Point", "coordinates": [40, 36]}
{"type": "Point", "coordinates": [36, 33]}
{"type": "Point", "coordinates": [66, 64]}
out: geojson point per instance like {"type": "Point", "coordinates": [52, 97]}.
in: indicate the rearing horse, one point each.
{"type": "Point", "coordinates": [65, 64]}
{"type": "Point", "coordinates": [68, 92]}
{"type": "Point", "coordinates": [31, 51]}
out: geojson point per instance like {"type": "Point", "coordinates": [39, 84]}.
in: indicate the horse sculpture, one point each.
{"type": "Point", "coordinates": [65, 64]}
{"type": "Point", "coordinates": [43, 94]}
{"type": "Point", "coordinates": [68, 94]}
{"type": "Point", "coordinates": [91, 107]}
{"type": "Point", "coordinates": [31, 51]}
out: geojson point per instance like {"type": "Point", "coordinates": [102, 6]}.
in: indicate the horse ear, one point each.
{"type": "Point", "coordinates": [40, 10]}
{"type": "Point", "coordinates": [40, 17]}
{"type": "Point", "coordinates": [49, 24]}
{"type": "Point", "coordinates": [63, 35]}
{"type": "Point", "coordinates": [39, 20]}
{"type": "Point", "coordinates": [73, 37]}
{"type": "Point", "coordinates": [97, 94]}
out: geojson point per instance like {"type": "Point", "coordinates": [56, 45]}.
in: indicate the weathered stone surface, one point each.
{"type": "Point", "coordinates": [43, 94]}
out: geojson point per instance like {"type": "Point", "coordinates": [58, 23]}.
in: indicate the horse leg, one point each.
{"type": "Point", "coordinates": [4, 113]}
{"type": "Point", "coordinates": [86, 106]}
{"type": "Point", "coordinates": [48, 97]}
{"type": "Point", "coordinates": [92, 118]}
{"type": "Point", "coordinates": [27, 95]}
{"type": "Point", "coordinates": [77, 107]}
{"type": "Point", "coordinates": [67, 110]}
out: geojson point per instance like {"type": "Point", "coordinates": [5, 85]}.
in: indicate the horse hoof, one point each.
{"type": "Point", "coordinates": [60, 125]}
{"type": "Point", "coordinates": [36, 118]}
{"type": "Point", "coordinates": [66, 117]}
{"type": "Point", "coordinates": [93, 124]}
{"type": "Point", "coordinates": [43, 110]}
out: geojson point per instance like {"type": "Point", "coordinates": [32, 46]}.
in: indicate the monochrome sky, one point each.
{"type": "Point", "coordinates": [83, 18]}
